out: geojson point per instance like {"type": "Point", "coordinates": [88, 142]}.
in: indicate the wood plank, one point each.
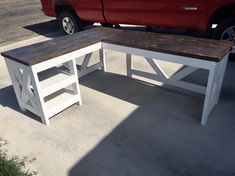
{"type": "Point", "coordinates": [205, 49]}
{"type": "Point", "coordinates": [40, 52]}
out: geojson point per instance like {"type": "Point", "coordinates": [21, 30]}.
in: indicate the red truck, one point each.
{"type": "Point", "coordinates": [199, 15]}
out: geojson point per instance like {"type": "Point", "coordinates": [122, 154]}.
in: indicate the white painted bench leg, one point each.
{"type": "Point", "coordinates": [25, 83]}
{"type": "Point", "coordinates": [129, 65]}
{"type": "Point", "coordinates": [221, 72]}
{"type": "Point", "coordinates": [17, 80]}
{"type": "Point", "coordinates": [214, 85]}
{"type": "Point", "coordinates": [102, 60]}
{"type": "Point", "coordinates": [208, 101]}
{"type": "Point", "coordinates": [76, 87]}
{"type": "Point", "coordinates": [38, 97]}
{"type": "Point", "coordinates": [84, 69]}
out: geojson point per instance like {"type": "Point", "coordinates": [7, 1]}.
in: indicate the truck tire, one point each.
{"type": "Point", "coordinates": [226, 30]}
{"type": "Point", "coordinates": [69, 23]}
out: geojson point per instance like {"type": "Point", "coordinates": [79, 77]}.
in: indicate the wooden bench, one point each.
{"type": "Point", "coordinates": [40, 71]}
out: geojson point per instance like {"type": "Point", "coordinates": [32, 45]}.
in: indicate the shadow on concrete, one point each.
{"type": "Point", "coordinates": [51, 26]}
{"type": "Point", "coordinates": [45, 28]}
{"type": "Point", "coordinates": [8, 99]}
{"type": "Point", "coordinates": [126, 87]}
{"type": "Point", "coordinates": [162, 137]}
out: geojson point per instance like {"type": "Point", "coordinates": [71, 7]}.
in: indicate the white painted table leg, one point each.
{"type": "Point", "coordinates": [76, 87]}
{"type": "Point", "coordinates": [102, 60]}
{"type": "Point", "coordinates": [26, 85]}
{"type": "Point", "coordinates": [85, 69]}
{"type": "Point", "coordinates": [39, 98]}
{"type": "Point", "coordinates": [214, 85]}
{"type": "Point", "coordinates": [208, 96]}
{"type": "Point", "coordinates": [17, 79]}
{"type": "Point", "coordinates": [129, 65]}
{"type": "Point", "coordinates": [221, 71]}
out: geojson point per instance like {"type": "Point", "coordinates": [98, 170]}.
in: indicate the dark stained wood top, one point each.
{"type": "Point", "coordinates": [205, 49]}
{"type": "Point", "coordinates": [40, 52]}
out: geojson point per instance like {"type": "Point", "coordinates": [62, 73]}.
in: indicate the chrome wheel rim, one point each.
{"type": "Point", "coordinates": [229, 34]}
{"type": "Point", "coordinates": [68, 25]}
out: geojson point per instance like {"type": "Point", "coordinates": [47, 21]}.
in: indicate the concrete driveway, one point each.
{"type": "Point", "coordinates": [125, 127]}
{"type": "Point", "coordinates": [22, 19]}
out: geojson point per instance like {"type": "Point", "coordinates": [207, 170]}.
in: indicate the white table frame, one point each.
{"type": "Point", "coordinates": [23, 83]}
{"type": "Point", "coordinates": [31, 93]}
{"type": "Point", "coordinates": [211, 90]}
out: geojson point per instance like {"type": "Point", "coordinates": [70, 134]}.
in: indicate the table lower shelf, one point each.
{"type": "Point", "coordinates": [59, 101]}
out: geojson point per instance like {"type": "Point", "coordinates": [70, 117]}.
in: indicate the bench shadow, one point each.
{"type": "Point", "coordinates": [8, 99]}
{"type": "Point", "coordinates": [161, 137]}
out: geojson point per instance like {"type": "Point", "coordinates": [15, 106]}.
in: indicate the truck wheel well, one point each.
{"type": "Point", "coordinates": [64, 8]}
{"type": "Point", "coordinates": [225, 12]}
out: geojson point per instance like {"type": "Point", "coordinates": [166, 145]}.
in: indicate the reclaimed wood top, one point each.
{"type": "Point", "coordinates": [40, 52]}
{"type": "Point", "coordinates": [205, 49]}
{"type": "Point", "coordinates": [212, 50]}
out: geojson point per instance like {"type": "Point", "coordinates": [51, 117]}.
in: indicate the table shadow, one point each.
{"type": "Point", "coordinates": [163, 136]}
{"type": "Point", "coordinates": [8, 99]}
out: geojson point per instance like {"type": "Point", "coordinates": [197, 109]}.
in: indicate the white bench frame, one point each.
{"type": "Point", "coordinates": [211, 90]}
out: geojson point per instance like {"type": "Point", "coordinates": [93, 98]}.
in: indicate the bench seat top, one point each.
{"type": "Point", "coordinates": [198, 48]}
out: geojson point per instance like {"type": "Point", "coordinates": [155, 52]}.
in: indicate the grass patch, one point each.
{"type": "Point", "coordinates": [13, 165]}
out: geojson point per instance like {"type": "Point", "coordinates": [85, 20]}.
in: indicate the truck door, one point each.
{"type": "Point", "coordinates": [122, 11]}
{"type": "Point", "coordinates": [172, 13]}
{"type": "Point", "coordinates": [88, 10]}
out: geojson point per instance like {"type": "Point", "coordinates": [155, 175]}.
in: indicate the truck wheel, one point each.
{"type": "Point", "coordinates": [226, 31]}
{"type": "Point", "coordinates": [69, 23]}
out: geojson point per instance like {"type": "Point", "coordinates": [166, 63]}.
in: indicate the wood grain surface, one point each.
{"type": "Point", "coordinates": [205, 49]}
